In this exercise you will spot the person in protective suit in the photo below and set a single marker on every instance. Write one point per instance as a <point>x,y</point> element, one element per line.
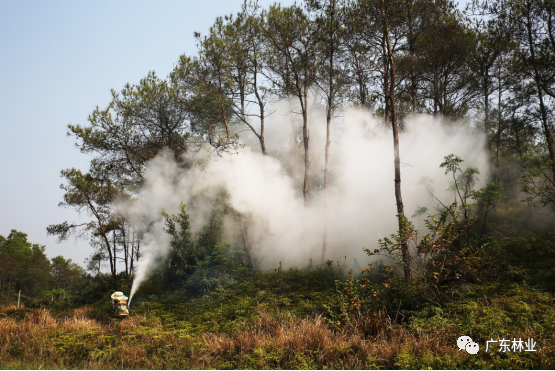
<point>119,304</point>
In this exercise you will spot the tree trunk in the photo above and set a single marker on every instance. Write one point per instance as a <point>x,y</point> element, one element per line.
<point>326,175</point>
<point>498,136</point>
<point>331,93</point>
<point>246,244</point>
<point>305,143</point>
<point>132,252</point>
<point>262,113</point>
<point>242,222</point>
<point>261,137</point>
<point>222,107</point>
<point>386,89</point>
<point>411,54</point>
<point>125,248</point>
<point>397,161</point>
<point>107,241</point>
<point>486,109</point>
<point>115,257</point>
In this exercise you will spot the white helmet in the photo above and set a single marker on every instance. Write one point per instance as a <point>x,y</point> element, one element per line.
<point>116,294</point>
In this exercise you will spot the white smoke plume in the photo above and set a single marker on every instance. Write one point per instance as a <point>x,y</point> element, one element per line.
<point>267,189</point>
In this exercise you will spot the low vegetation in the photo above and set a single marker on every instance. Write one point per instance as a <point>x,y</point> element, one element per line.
<point>300,319</point>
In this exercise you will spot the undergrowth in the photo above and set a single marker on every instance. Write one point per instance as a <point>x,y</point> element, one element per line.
<point>316,318</point>
<point>288,319</point>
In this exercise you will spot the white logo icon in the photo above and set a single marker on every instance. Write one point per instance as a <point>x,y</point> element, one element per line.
<point>466,343</point>
<point>472,348</point>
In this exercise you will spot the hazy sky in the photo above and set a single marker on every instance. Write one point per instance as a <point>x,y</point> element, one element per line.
<point>58,60</point>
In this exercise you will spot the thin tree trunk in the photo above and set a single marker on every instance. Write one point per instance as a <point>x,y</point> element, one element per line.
<point>326,176</point>
<point>125,248</point>
<point>103,233</point>
<point>306,145</point>
<point>222,107</point>
<point>293,139</point>
<point>498,136</point>
<point>486,109</point>
<point>497,158</point>
<point>397,161</point>
<point>262,113</point>
<point>112,266</point>
<point>386,80</point>
<point>246,244</point>
<point>436,89</point>
<point>132,253</point>
<point>115,254</point>
<point>412,63</point>
<point>261,137</point>
<point>331,93</point>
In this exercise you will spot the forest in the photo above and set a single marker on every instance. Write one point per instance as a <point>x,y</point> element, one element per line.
<point>335,184</point>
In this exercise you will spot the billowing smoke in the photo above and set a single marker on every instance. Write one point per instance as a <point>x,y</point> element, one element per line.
<point>266,190</point>
<point>144,212</point>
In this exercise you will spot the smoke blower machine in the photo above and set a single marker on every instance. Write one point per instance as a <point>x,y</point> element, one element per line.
<point>119,305</point>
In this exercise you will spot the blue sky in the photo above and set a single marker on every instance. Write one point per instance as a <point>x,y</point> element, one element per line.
<point>58,60</point>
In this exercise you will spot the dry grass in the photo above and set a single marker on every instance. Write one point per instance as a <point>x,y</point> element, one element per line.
<point>74,340</point>
<point>279,340</point>
<point>273,341</point>
<point>289,341</point>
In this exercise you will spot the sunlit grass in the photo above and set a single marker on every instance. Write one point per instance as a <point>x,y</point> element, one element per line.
<point>280,329</point>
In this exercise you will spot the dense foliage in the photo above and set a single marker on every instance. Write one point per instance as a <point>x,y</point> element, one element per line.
<point>200,264</point>
<point>27,274</point>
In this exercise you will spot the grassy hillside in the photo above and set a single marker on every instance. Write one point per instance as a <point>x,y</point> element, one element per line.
<point>312,319</point>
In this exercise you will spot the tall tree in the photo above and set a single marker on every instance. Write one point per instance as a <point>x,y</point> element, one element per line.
<point>290,35</point>
<point>530,24</point>
<point>247,52</point>
<point>405,255</point>
<point>537,46</point>
<point>138,122</point>
<point>93,195</point>
<point>332,76</point>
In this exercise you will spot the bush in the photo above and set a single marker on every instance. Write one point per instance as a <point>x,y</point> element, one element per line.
<point>201,264</point>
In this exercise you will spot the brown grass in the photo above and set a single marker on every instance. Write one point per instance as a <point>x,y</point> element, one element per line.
<point>288,340</point>
<point>274,341</point>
